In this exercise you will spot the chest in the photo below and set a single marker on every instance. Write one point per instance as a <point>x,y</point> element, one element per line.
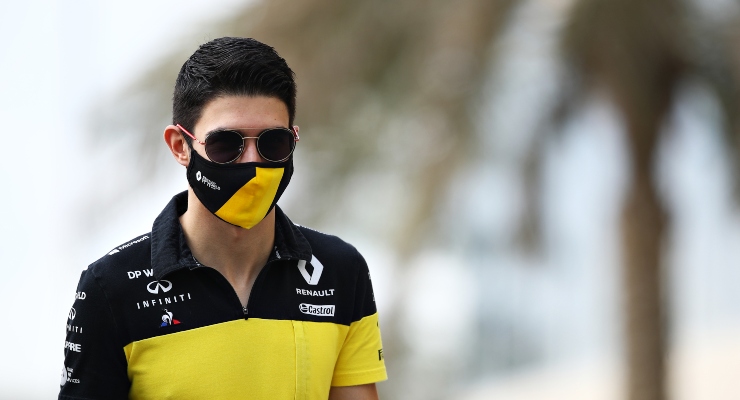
<point>191,336</point>
<point>190,299</point>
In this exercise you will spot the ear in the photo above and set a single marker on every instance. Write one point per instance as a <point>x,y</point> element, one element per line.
<point>177,145</point>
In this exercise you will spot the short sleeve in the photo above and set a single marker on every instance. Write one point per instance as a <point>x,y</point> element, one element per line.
<point>361,358</point>
<point>95,364</point>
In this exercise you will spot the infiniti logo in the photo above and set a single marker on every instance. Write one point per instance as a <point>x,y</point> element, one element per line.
<point>197,176</point>
<point>72,313</point>
<point>153,287</point>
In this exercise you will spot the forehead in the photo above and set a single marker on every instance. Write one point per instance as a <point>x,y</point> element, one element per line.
<point>242,112</point>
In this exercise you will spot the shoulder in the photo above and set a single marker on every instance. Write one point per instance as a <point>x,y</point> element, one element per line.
<point>339,269</point>
<point>331,250</point>
<point>104,287</point>
<point>127,261</point>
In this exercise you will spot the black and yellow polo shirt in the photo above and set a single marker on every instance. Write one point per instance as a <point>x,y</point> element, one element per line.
<point>150,322</point>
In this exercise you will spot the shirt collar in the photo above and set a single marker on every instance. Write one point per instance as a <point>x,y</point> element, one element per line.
<point>170,252</point>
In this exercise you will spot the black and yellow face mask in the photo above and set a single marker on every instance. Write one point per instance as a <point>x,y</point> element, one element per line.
<point>240,194</point>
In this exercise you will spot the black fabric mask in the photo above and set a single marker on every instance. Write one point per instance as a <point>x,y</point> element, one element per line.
<point>240,194</point>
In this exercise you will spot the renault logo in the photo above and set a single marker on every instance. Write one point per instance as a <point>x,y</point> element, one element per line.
<point>313,278</point>
<point>153,287</point>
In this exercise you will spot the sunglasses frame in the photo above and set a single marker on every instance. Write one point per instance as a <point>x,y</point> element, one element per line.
<point>293,132</point>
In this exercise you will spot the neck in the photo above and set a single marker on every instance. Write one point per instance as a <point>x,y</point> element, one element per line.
<point>237,253</point>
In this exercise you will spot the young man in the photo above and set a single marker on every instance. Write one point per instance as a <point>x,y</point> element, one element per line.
<point>226,297</point>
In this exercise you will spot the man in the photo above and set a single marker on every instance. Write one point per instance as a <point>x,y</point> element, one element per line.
<point>226,297</point>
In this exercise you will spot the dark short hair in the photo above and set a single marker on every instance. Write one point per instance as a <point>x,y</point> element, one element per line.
<point>230,66</point>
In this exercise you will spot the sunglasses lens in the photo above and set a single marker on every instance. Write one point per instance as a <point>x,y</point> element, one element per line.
<point>276,144</point>
<point>224,146</point>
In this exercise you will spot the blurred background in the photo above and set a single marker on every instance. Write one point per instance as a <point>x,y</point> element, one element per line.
<point>546,190</point>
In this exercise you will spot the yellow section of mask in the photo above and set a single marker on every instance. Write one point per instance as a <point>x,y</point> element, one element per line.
<point>249,205</point>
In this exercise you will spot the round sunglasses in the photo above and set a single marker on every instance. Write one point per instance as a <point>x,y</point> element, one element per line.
<point>227,145</point>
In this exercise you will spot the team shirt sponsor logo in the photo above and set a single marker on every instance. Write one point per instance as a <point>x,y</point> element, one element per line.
<point>380,354</point>
<point>135,274</point>
<point>178,298</point>
<point>318,268</point>
<point>202,178</point>
<point>73,313</point>
<point>73,346</point>
<point>67,376</point>
<point>321,293</point>
<point>127,245</point>
<point>318,310</point>
<point>168,320</point>
<point>161,287</point>
<point>154,287</point>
